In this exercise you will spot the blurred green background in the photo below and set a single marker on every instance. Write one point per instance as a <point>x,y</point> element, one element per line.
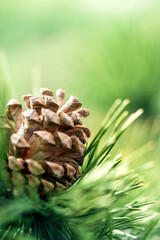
<point>95,50</point>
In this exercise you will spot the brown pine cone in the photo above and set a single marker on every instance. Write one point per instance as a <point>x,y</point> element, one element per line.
<point>49,141</point>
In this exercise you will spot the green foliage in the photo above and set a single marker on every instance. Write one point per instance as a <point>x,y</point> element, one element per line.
<point>104,203</point>
<point>98,51</point>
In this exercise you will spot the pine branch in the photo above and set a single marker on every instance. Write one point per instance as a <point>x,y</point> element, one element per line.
<point>104,203</point>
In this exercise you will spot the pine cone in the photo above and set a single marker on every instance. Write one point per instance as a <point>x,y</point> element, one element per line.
<point>48,143</point>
